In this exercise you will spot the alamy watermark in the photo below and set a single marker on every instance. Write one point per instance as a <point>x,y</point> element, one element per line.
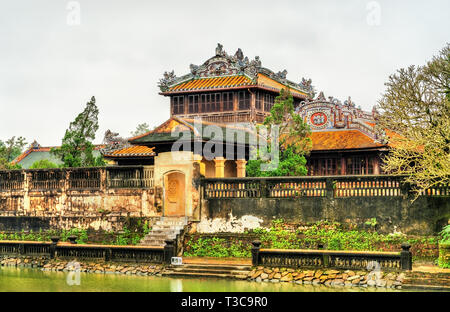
<point>373,17</point>
<point>229,141</point>
<point>74,15</point>
<point>74,276</point>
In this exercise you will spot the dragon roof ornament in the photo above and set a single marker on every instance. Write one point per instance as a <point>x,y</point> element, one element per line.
<point>223,64</point>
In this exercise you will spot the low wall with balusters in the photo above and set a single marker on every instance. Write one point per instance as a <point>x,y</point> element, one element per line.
<point>345,199</point>
<point>97,198</point>
<point>354,260</point>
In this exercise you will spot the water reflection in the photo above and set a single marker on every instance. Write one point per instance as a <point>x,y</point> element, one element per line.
<point>35,280</point>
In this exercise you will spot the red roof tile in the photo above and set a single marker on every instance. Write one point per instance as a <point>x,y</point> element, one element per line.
<point>345,139</point>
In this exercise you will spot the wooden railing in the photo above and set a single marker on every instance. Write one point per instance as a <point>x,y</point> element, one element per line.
<point>356,260</point>
<point>146,254</point>
<point>332,186</point>
<point>93,178</point>
<point>45,180</point>
<point>129,177</point>
<point>12,180</point>
<point>85,178</point>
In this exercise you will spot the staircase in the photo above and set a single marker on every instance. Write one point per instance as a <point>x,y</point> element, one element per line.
<point>165,228</point>
<point>208,270</point>
<point>427,280</point>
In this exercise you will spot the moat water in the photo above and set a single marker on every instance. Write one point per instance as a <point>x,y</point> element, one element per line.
<point>34,280</point>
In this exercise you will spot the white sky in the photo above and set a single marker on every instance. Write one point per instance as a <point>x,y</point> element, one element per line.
<point>118,53</point>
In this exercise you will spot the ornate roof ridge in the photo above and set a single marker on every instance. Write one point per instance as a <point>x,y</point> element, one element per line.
<point>223,64</point>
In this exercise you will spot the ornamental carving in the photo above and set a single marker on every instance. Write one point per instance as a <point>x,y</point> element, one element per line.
<point>168,78</point>
<point>113,142</point>
<point>223,64</point>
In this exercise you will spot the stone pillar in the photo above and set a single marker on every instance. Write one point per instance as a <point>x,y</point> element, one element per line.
<point>406,257</point>
<point>240,165</point>
<point>220,167</point>
<point>255,252</point>
<point>376,165</point>
<point>198,159</point>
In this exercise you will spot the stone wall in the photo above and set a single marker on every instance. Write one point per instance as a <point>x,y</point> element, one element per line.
<point>251,203</point>
<point>59,199</point>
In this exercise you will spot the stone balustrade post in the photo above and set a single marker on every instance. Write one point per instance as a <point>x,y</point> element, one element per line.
<point>169,251</point>
<point>406,257</point>
<point>55,240</point>
<point>72,239</point>
<point>329,187</point>
<point>255,252</point>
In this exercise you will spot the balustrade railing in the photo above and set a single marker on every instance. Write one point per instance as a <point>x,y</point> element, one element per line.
<point>355,260</point>
<point>129,176</point>
<point>12,180</point>
<point>96,178</point>
<point>332,186</point>
<point>145,254</point>
<point>46,179</point>
<point>85,178</point>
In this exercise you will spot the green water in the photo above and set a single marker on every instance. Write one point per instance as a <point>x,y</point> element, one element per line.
<point>35,280</point>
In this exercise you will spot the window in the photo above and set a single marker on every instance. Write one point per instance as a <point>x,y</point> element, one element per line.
<point>193,104</point>
<point>323,166</point>
<point>268,102</point>
<point>356,165</point>
<point>227,98</point>
<point>244,100</point>
<point>259,100</point>
<point>206,103</point>
<point>177,105</point>
<point>215,102</point>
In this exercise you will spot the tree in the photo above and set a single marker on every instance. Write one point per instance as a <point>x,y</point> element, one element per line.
<point>415,113</point>
<point>9,150</point>
<point>141,129</point>
<point>12,148</point>
<point>294,141</point>
<point>43,164</point>
<point>77,149</point>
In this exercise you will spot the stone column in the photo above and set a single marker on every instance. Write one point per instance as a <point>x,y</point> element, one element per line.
<point>376,165</point>
<point>198,159</point>
<point>220,167</point>
<point>240,165</point>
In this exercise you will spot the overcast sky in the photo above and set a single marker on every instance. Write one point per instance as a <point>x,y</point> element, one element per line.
<point>50,66</point>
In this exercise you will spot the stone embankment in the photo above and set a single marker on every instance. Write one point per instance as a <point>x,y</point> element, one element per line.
<point>46,264</point>
<point>328,277</point>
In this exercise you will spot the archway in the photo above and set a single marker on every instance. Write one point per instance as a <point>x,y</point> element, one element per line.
<point>175,198</point>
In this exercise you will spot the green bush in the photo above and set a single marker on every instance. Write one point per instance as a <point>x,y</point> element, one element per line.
<point>216,247</point>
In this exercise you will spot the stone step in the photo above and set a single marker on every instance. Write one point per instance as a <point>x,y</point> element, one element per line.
<point>166,229</point>
<point>209,275</point>
<point>435,281</point>
<point>426,287</point>
<point>208,270</point>
<point>162,235</point>
<point>153,242</point>
<point>215,266</point>
<point>160,224</point>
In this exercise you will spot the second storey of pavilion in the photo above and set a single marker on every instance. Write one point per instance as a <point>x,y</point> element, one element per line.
<point>229,89</point>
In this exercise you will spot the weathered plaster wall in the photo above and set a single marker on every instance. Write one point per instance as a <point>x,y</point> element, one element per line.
<point>183,162</point>
<point>426,215</point>
<point>88,209</point>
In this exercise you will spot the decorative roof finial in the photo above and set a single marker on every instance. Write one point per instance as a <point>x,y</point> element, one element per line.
<point>219,49</point>
<point>239,54</point>
<point>321,97</point>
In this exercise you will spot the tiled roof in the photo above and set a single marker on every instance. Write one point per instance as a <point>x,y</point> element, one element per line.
<point>342,139</point>
<point>133,151</point>
<point>213,83</point>
<point>163,133</point>
<point>33,154</point>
